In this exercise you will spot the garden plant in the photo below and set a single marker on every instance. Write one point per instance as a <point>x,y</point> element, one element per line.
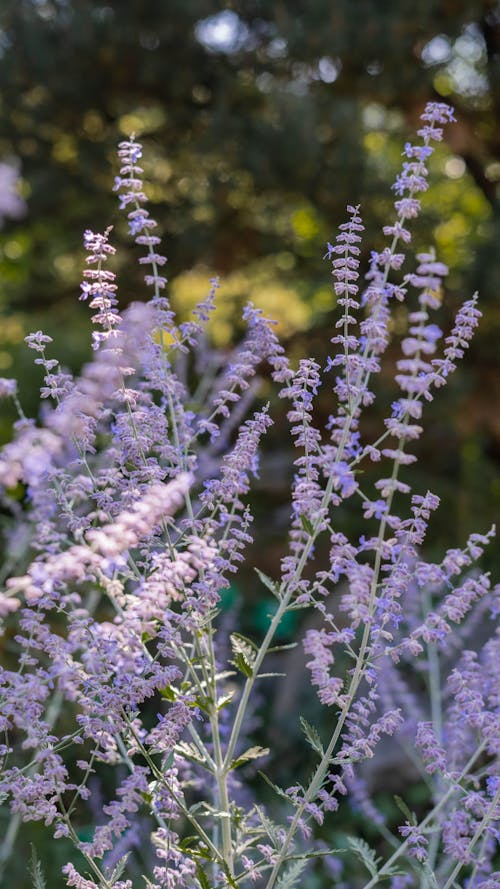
<point>127,692</point>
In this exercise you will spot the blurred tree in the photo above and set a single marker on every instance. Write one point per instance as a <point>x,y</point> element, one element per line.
<point>262,120</point>
<point>257,112</point>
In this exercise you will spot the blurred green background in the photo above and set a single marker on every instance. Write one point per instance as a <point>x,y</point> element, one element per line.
<point>261,120</point>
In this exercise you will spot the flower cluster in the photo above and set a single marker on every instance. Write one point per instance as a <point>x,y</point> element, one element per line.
<point>131,507</point>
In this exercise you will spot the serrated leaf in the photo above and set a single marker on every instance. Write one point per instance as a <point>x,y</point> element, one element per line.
<point>307,525</point>
<point>244,654</point>
<point>268,582</point>
<point>230,879</point>
<point>270,675</point>
<point>322,852</point>
<point>290,877</point>
<point>196,807</point>
<point>248,755</point>
<point>119,869</point>
<point>225,674</point>
<point>278,790</point>
<point>202,877</point>
<point>36,871</point>
<point>203,703</point>
<point>282,647</point>
<point>191,845</point>
<point>312,736</point>
<point>187,843</point>
<point>190,751</point>
<point>245,641</point>
<point>224,700</point>
<point>168,761</point>
<point>404,809</point>
<point>365,853</point>
<point>242,664</point>
<point>269,827</point>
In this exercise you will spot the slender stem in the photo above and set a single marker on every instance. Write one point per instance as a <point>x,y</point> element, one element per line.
<point>479,860</point>
<point>477,835</point>
<point>357,677</point>
<point>432,814</point>
<point>160,777</point>
<point>221,778</point>
<point>74,836</point>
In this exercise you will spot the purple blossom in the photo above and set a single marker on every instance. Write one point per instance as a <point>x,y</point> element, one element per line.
<point>73,878</point>
<point>8,388</point>
<point>417,842</point>
<point>99,287</point>
<point>433,754</point>
<point>317,644</point>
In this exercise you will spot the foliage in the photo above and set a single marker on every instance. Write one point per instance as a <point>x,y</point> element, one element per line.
<point>262,121</point>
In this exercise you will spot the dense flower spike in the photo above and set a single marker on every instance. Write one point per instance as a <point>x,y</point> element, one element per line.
<point>132,703</point>
<point>130,188</point>
<point>99,287</point>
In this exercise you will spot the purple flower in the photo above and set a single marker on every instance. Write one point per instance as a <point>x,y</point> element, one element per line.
<point>433,753</point>
<point>417,842</point>
<point>8,388</point>
<point>99,287</point>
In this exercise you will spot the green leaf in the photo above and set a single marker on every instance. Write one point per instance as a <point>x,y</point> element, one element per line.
<point>244,651</point>
<point>119,869</point>
<point>268,826</point>
<point>203,703</point>
<point>268,582</point>
<point>190,751</point>
<point>312,736</point>
<point>191,845</point>
<point>36,871</point>
<point>290,877</point>
<point>404,809</point>
<point>321,853</point>
<point>168,693</point>
<point>365,853</point>
<point>230,880</point>
<point>187,844</point>
<point>282,647</point>
<point>307,525</point>
<point>248,755</point>
<point>244,640</point>
<point>243,665</point>
<point>202,877</point>
<point>224,674</point>
<point>278,790</point>
<point>224,700</point>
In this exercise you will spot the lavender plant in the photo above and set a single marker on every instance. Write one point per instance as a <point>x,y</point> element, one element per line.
<point>132,491</point>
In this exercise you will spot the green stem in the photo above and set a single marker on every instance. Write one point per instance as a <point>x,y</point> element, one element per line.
<point>432,814</point>
<point>477,835</point>
<point>160,777</point>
